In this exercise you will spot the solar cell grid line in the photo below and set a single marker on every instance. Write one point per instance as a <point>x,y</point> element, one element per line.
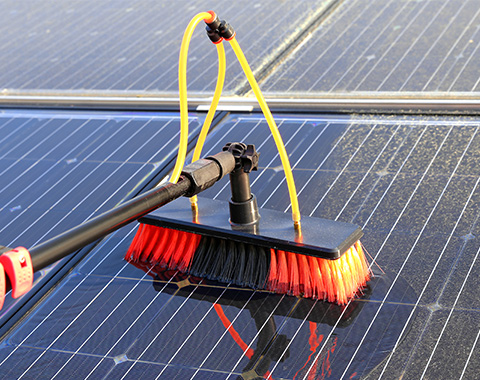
<point>37,22</point>
<point>164,326</point>
<point>128,329</point>
<point>18,147</point>
<point>70,190</point>
<point>450,314</point>
<point>432,45</point>
<point>171,71</point>
<point>105,319</point>
<point>367,173</point>
<point>29,64</point>
<point>11,133</point>
<point>98,185</point>
<point>67,297</point>
<point>251,342</point>
<point>104,71</point>
<point>400,35</point>
<point>378,16</point>
<point>449,53</point>
<point>416,40</point>
<point>224,334</point>
<point>324,32</point>
<point>13,148</point>
<point>297,162</point>
<point>259,147</point>
<point>434,268</point>
<point>457,77</point>
<point>394,177</point>
<point>339,37</point>
<point>42,78</point>
<point>323,161</point>
<point>461,54</point>
<point>372,43</point>
<point>376,256</point>
<point>470,355</point>
<point>70,324</point>
<point>390,161</point>
<point>128,23</point>
<point>44,173</point>
<point>293,338</point>
<point>417,238</point>
<point>280,18</point>
<point>343,169</point>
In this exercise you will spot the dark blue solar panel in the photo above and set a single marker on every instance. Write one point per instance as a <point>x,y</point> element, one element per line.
<point>393,46</point>
<point>78,46</point>
<point>412,184</point>
<point>60,169</point>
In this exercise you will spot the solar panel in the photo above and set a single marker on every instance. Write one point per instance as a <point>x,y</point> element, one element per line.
<point>386,46</point>
<point>412,183</point>
<point>117,46</point>
<point>60,169</point>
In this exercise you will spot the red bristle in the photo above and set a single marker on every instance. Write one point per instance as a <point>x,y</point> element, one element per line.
<point>146,237</point>
<point>293,276</point>
<point>179,250</point>
<point>190,249</point>
<point>305,276</point>
<point>272,274</point>
<point>170,248</point>
<point>282,273</point>
<point>164,234</point>
<point>133,246</point>
<point>328,287</point>
<point>150,241</point>
<point>317,281</point>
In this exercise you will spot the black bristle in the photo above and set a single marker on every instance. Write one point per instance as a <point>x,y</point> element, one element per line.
<point>228,272</point>
<point>263,265</point>
<point>220,254</point>
<point>251,267</point>
<point>241,264</point>
<point>229,261</point>
<point>201,258</point>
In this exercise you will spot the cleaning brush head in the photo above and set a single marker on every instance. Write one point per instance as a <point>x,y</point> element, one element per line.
<point>328,263</point>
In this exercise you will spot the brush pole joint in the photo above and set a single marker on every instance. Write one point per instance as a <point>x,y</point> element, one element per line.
<point>243,204</point>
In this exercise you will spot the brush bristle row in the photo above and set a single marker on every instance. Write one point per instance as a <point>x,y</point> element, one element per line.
<point>252,266</point>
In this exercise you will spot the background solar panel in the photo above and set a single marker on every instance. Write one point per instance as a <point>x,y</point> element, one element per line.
<point>117,46</point>
<point>60,169</point>
<point>413,186</point>
<point>385,45</point>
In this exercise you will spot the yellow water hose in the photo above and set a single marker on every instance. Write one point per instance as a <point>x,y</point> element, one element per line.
<point>182,84</point>
<point>273,128</point>
<point>213,107</point>
<point>182,88</point>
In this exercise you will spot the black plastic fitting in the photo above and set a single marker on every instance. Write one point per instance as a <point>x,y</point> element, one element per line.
<point>205,172</point>
<point>215,24</point>
<point>213,35</point>
<point>243,204</point>
<point>226,30</point>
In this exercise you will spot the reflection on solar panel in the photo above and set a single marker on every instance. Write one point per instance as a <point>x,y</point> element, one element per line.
<point>60,169</point>
<point>413,186</point>
<point>77,46</point>
<point>387,45</point>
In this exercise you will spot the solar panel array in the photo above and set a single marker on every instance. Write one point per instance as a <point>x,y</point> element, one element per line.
<point>412,184</point>
<point>350,46</point>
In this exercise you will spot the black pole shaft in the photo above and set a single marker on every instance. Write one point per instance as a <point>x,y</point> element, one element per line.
<point>78,237</point>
